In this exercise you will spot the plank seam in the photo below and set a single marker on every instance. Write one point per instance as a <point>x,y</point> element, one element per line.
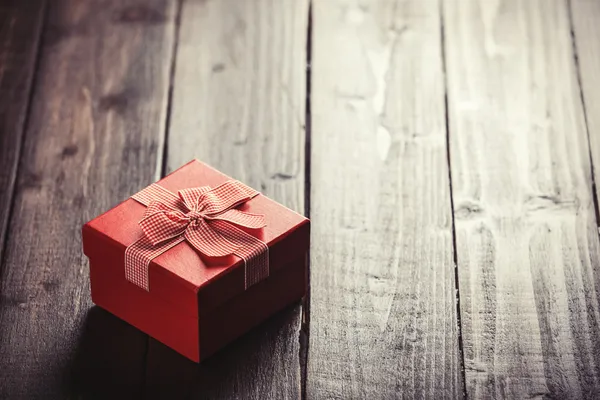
<point>304,335</point>
<point>584,108</point>
<point>20,143</point>
<point>162,162</point>
<point>164,155</point>
<point>454,246</point>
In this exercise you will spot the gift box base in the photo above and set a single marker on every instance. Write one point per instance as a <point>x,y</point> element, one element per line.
<point>201,336</point>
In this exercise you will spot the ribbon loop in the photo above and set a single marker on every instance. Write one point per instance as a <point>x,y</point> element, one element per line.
<point>161,223</point>
<point>224,197</point>
<point>206,219</point>
<point>190,196</point>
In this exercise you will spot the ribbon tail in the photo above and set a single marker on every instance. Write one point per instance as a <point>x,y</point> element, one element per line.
<point>241,218</point>
<point>253,251</point>
<point>224,197</point>
<point>138,257</point>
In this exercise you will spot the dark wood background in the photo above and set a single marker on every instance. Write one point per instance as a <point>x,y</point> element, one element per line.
<point>445,151</point>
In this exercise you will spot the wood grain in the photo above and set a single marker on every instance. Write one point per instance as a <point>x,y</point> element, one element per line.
<point>585,16</point>
<point>238,104</point>
<point>20,26</point>
<point>96,125</point>
<point>527,244</point>
<point>383,313</point>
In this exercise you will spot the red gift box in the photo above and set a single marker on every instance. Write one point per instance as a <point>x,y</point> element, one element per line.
<point>196,304</point>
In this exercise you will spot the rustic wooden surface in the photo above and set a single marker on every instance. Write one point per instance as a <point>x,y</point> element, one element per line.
<point>445,150</point>
<point>20,27</point>
<point>94,131</point>
<point>585,15</point>
<point>238,104</point>
<point>527,243</point>
<point>383,312</point>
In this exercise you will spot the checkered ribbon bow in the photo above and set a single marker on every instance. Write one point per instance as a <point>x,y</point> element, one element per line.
<point>206,219</point>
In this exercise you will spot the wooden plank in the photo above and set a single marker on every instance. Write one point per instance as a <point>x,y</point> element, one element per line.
<point>96,126</point>
<point>527,245</point>
<point>585,16</point>
<point>238,104</point>
<point>20,25</point>
<point>383,313</point>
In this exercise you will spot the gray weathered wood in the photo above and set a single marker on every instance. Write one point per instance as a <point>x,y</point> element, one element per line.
<point>586,27</point>
<point>20,25</point>
<point>96,125</point>
<point>383,313</point>
<point>238,104</point>
<point>527,244</point>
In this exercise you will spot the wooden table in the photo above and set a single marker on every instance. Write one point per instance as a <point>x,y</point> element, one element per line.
<point>444,150</point>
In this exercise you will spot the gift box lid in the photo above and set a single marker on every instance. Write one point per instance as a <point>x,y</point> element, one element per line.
<point>181,275</point>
